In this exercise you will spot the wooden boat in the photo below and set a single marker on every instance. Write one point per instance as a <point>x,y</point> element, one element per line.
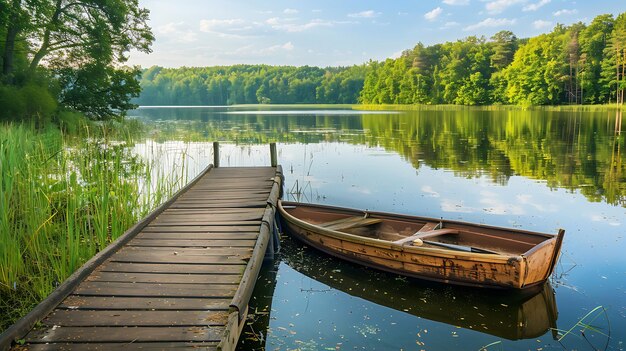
<point>509,314</point>
<point>427,248</point>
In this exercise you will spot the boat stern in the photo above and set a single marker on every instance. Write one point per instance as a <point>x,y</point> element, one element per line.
<point>539,262</point>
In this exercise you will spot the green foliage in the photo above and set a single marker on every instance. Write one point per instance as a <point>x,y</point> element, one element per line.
<point>100,92</point>
<point>250,84</point>
<point>572,64</point>
<point>31,103</point>
<point>81,44</point>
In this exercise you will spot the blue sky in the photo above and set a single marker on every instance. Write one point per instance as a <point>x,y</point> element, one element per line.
<point>339,32</point>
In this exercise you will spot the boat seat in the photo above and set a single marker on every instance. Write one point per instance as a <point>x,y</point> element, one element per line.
<point>430,226</point>
<point>349,223</point>
<point>424,235</point>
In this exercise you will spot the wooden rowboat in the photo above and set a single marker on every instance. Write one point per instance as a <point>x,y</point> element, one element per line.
<point>509,314</point>
<point>427,248</point>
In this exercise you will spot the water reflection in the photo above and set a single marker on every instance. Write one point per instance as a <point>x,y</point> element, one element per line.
<point>509,315</point>
<point>572,150</point>
<point>512,315</point>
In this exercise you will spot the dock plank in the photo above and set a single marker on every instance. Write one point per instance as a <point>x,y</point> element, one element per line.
<point>155,289</point>
<point>165,278</point>
<point>130,267</point>
<point>76,302</point>
<point>191,243</point>
<point>79,318</point>
<point>130,346</point>
<point>124,334</point>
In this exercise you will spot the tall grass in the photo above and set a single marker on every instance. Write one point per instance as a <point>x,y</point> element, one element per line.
<point>62,199</point>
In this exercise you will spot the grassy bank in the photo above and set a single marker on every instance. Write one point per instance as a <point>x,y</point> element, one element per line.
<point>62,199</point>
<point>417,107</point>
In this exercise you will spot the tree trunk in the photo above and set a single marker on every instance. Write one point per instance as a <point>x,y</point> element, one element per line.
<point>623,71</point>
<point>43,49</point>
<point>13,29</point>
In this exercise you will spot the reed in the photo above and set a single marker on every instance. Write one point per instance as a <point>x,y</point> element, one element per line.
<point>64,198</point>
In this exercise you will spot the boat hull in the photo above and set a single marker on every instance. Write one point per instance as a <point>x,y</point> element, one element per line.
<point>436,264</point>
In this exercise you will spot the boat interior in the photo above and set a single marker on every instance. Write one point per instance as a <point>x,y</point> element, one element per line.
<point>417,232</point>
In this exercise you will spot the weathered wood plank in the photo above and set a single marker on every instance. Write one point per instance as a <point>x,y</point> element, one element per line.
<point>214,196</point>
<point>155,290</point>
<point>197,236</point>
<point>75,302</point>
<point>79,318</point>
<point>207,229</point>
<point>217,204</point>
<point>183,224</point>
<point>191,243</point>
<point>173,258</point>
<point>165,278</point>
<point>194,218</point>
<point>124,334</point>
<point>130,346</point>
<point>216,211</point>
<point>187,251</point>
<point>172,268</point>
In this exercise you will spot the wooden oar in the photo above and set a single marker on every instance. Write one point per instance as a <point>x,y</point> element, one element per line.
<point>460,247</point>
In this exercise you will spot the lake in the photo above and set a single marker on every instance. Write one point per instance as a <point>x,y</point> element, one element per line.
<point>536,169</point>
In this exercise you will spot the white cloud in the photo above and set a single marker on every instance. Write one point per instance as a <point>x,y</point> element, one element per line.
<point>212,24</point>
<point>290,11</point>
<point>427,188</point>
<point>432,15</point>
<point>456,2</point>
<point>495,206</point>
<point>540,24</point>
<point>173,29</point>
<point>288,25</point>
<point>490,23</point>
<point>450,25</point>
<point>274,21</point>
<point>497,6</point>
<point>565,12</point>
<point>287,46</point>
<point>535,6</point>
<point>448,205</point>
<point>526,199</point>
<point>364,14</point>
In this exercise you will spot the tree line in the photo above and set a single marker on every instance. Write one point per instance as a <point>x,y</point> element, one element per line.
<point>576,64</point>
<point>62,57</point>
<point>251,84</point>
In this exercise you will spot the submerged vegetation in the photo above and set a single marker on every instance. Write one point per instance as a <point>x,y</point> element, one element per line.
<point>576,64</point>
<point>62,199</point>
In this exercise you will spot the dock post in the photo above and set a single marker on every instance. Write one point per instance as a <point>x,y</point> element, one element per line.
<point>273,157</point>
<point>216,154</point>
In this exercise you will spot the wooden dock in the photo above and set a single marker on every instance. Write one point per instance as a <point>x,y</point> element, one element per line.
<point>181,278</point>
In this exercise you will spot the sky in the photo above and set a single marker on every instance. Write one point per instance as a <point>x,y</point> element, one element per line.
<point>339,32</point>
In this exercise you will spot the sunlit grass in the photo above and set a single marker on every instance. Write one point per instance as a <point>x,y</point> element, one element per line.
<point>568,108</point>
<point>62,199</point>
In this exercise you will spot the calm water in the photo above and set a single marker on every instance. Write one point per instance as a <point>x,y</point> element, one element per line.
<point>536,170</point>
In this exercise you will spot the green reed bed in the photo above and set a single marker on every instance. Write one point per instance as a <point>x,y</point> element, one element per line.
<point>62,199</point>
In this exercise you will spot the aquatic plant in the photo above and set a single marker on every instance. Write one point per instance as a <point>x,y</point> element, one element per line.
<point>64,198</point>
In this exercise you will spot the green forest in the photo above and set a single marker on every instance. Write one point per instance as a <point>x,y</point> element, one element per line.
<point>66,59</point>
<point>576,64</point>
